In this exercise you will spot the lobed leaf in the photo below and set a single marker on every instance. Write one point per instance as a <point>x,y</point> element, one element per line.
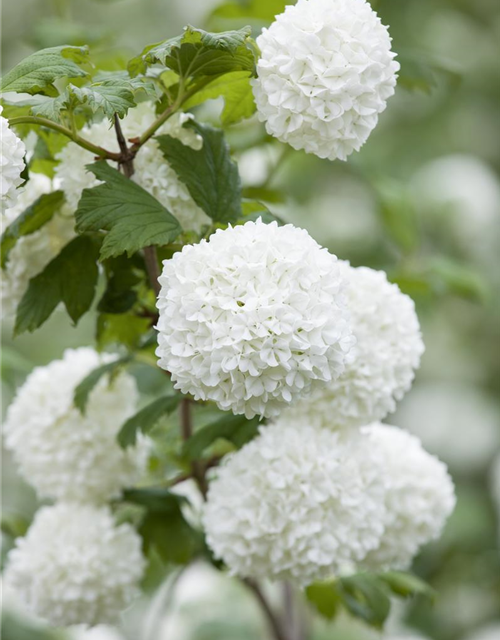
<point>37,72</point>
<point>237,429</point>
<point>133,217</point>
<point>210,175</point>
<point>71,278</point>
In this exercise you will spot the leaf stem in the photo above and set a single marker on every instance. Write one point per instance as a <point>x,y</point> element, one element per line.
<point>45,122</point>
<point>272,618</point>
<point>197,469</point>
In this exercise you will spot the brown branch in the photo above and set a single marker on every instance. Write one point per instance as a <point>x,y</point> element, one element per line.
<point>126,156</point>
<point>272,618</point>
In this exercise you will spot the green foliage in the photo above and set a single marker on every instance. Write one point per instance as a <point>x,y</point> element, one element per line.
<point>210,175</point>
<point>30,220</point>
<point>37,72</point>
<point>196,54</point>
<point>164,527</point>
<point>133,218</point>
<point>84,389</point>
<point>257,12</point>
<point>365,595</point>
<point>236,90</point>
<point>253,210</point>
<point>419,72</point>
<point>236,429</point>
<point>71,278</point>
<point>99,96</point>
<point>398,215</point>
<point>121,329</point>
<point>146,419</point>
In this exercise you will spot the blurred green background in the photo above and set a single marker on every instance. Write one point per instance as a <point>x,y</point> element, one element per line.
<point>422,201</point>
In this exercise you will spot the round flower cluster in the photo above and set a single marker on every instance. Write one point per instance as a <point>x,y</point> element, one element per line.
<point>387,352</point>
<point>297,504</point>
<point>63,453</point>
<point>12,152</point>
<point>75,565</point>
<point>419,497</point>
<point>253,318</point>
<point>31,253</point>
<point>152,171</point>
<point>325,73</point>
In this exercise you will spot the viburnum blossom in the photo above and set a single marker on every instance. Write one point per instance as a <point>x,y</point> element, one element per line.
<point>325,73</point>
<point>31,253</point>
<point>387,352</point>
<point>63,453</point>
<point>12,152</point>
<point>253,318</point>
<point>299,504</point>
<point>151,169</point>
<point>419,496</point>
<point>75,565</point>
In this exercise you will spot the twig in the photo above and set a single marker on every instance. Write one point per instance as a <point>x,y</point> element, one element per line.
<point>272,618</point>
<point>127,157</point>
<point>197,469</point>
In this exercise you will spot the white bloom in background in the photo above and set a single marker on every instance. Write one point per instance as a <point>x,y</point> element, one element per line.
<point>419,496</point>
<point>253,318</point>
<point>76,566</point>
<point>66,455</point>
<point>101,632</point>
<point>31,253</point>
<point>299,504</point>
<point>387,352</point>
<point>457,422</point>
<point>152,171</point>
<point>12,151</point>
<point>325,73</point>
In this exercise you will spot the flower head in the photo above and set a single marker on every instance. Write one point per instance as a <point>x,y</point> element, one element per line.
<point>151,170</point>
<point>75,565</point>
<point>31,253</point>
<point>253,318</point>
<point>324,76</point>
<point>387,352</point>
<point>296,503</point>
<point>12,154</point>
<point>419,496</point>
<point>63,453</point>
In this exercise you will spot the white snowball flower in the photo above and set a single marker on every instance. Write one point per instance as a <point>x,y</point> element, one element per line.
<point>324,76</point>
<point>31,253</point>
<point>299,504</point>
<point>66,455</point>
<point>12,151</point>
<point>419,496</point>
<point>455,421</point>
<point>152,171</point>
<point>387,352</point>
<point>76,566</point>
<point>253,318</point>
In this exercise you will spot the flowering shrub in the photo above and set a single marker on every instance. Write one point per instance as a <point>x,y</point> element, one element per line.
<point>250,318</point>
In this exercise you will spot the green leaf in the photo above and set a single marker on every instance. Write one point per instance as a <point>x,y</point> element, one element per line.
<point>324,597</point>
<point>235,12</point>
<point>237,429</point>
<point>37,72</point>
<point>164,526</point>
<point>132,216</point>
<point>120,329</point>
<point>459,279</point>
<point>253,210</point>
<point>398,215</point>
<point>108,98</point>
<point>197,53</point>
<point>84,389</point>
<point>364,596</point>
<point>71,278</point>
<point>123,276</point>
<point>30,220</point>
<point>146,419</point>
<point>407,584</point>
<point>236,90</point>
<point>210,175</point>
